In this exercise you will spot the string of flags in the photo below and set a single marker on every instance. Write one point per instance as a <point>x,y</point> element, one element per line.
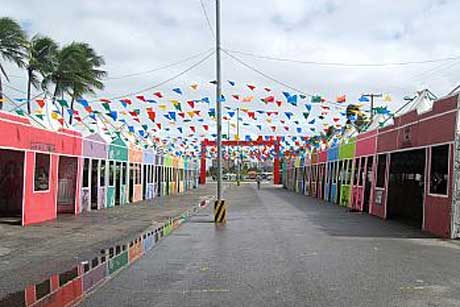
<point>180,111</point>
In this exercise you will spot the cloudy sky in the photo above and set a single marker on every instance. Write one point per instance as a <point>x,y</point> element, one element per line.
<point>136,36</point>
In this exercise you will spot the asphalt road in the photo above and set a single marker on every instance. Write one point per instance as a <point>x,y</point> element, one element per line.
<point>284,249</point>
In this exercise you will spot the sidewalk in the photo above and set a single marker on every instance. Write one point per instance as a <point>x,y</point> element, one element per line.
<point>31,254</point>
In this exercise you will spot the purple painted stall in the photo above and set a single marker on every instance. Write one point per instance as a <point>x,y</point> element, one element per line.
<point>95,151</point>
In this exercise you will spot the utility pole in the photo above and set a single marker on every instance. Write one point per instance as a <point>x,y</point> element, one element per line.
<point>372,96</point>
<point>218,104</point>
<point>239,149</point>
<point>220,211</point>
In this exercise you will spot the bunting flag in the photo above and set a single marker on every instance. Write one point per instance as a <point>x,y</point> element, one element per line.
<point>236,97</point>
<point>341,99</point>
<point>177,90</point>
<point>141,98</point>
<point>363,99</point>
<point>194,86</point>
<point>232,83</point>
<point>251,87</point>
<point>40,103</point>
<point>191,103</point>
<point>158,94</point>
<point>63,103</point>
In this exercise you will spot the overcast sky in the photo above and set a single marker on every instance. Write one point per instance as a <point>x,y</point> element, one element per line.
<point>135,36</point>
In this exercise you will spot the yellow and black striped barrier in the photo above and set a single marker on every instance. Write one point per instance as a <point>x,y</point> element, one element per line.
<point>220,211</point>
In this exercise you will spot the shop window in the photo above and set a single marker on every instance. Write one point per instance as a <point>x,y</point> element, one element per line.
<point>86,173</point>
<point>102,174</point>
<point>356,172</point>
<point>138,176</point>
<point>42,172</point>
<point>381,167</point>
<point>124,173</point>
<point>439,172</point>
<point>111,173</point>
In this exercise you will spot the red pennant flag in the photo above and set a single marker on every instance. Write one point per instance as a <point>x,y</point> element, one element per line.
<point>269,99</point>
<point>282,121</point>
<point>181,114</point>
<point>140,97</point>
<point>267,89</point>
<point>191,103</point>
<point>336,119</point>
<point>158,94</point>
<point>252,115</point>
<point>40,102</point>
<point>205,127</point>
<point>159,126</point>
<point>192,128</point>
<point>197,112</point>
<point>237,97</point>
<point>286,128</point>
<point>127,101</point>
<point>279,103</point>
<point>105,100</point>
<point>273,128</point>
<point>251,87</point>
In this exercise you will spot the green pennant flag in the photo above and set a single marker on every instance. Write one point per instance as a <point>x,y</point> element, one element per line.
<point>41,116</point>
<point>138,111</point>
<point>20,112</point>
<point>178,107</point>
<point>316,99</point>
<point>145,127</point>
<point>306,114</point>
<point>63,103</point>
<point>106,106</point>
<point>91,130</point>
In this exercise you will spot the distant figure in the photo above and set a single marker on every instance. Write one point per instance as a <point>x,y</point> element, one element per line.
<point>258,182</point>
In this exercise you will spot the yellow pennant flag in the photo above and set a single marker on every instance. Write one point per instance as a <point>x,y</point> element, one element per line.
<point>387,98</point>
<point>194,86</point>
<point>55,115</point>
<point>162,107</point>
<point>191,113</point>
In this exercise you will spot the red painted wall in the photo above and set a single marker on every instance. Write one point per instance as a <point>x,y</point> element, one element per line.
<point>438,209</point>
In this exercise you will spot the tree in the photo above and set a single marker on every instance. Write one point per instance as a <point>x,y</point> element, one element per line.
<point>76,72</point>
<point>41,53</point>
<point>89,75</point>
<point>12,44</point>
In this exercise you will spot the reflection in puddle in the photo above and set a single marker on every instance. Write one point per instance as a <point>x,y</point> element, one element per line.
<point>70,286</point>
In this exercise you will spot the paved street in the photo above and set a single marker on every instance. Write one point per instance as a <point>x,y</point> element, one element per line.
<point>283,249</point>
<point>41,250</point>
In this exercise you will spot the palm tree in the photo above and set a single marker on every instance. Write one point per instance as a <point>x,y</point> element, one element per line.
<point>76,73</point>
<point>89,75</point>
<point>12,43</point>
<point>41,55</point>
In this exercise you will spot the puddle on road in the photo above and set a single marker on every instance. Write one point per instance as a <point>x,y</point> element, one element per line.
<point>69,287</point>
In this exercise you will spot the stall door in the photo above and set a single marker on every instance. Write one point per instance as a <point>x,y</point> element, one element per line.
<point>67,182</point>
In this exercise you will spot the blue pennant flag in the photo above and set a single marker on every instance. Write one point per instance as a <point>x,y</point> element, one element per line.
<point>177,90</point>
<point>363,99</point>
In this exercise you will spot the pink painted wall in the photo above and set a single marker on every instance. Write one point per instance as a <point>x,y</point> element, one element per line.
<point>366,143</point>
<point>17,133</point>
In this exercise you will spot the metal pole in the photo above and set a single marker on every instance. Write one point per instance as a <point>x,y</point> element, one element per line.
<point>239,151</point>
<point>218,104</point>
<point>372,108</point>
